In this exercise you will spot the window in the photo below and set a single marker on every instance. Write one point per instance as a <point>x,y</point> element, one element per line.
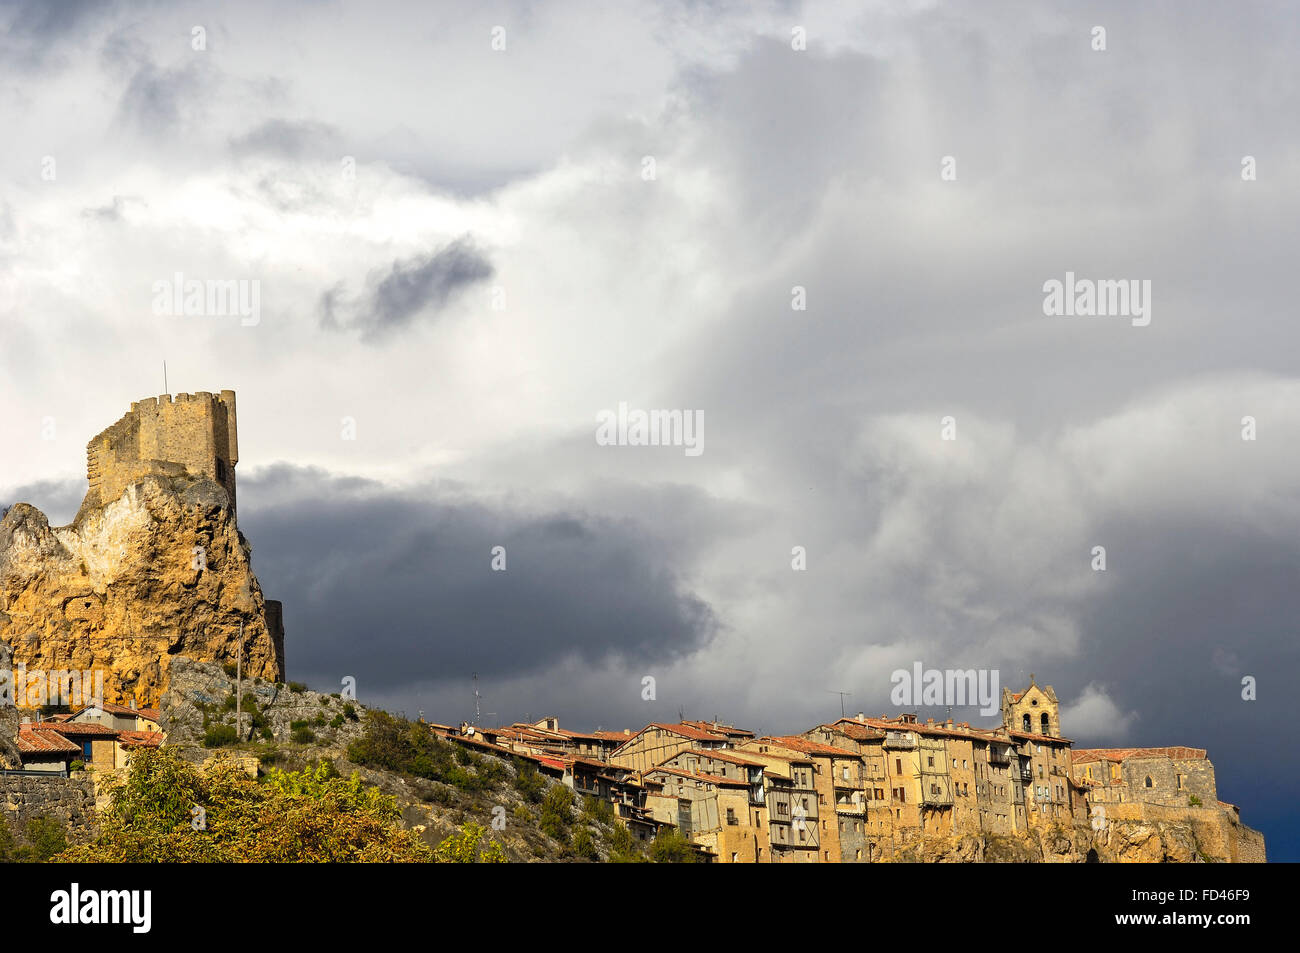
<point>898,765</point>
<point>931,760</point>
<point>1148,780</point>
<point>1180,782</point>
<point>1026,722</point>
<point>1046,724</point>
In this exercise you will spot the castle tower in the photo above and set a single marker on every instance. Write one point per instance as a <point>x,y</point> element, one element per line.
<point>1035,710</point>
<point>190,433</point>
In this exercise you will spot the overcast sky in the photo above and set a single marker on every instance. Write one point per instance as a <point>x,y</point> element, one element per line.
<point>463,259</point>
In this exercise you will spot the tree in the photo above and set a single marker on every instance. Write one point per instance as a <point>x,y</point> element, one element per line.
<point>468,847</point>
<point>166,811</point>
<point>670,846</point>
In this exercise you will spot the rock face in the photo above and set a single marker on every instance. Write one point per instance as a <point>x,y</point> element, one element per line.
<point>1123,841</point>
<point>160,571</point>
<point>197,696</point>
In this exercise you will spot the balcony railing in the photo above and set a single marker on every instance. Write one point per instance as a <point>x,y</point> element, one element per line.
<point>900,741</point>
<point>999,756</point>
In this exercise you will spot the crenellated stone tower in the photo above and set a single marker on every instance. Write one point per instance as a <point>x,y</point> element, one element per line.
<point>195,432</point>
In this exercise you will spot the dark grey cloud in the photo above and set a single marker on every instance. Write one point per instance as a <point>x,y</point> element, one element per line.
<point>396,588</point>
<point>410,288</point>
<point>289,139</point>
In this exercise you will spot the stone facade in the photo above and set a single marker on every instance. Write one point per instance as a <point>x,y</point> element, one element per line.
<point>196,432</point>
<point>70,800</point>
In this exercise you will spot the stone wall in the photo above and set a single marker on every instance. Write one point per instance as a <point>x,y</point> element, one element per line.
<point>69,800</point>
<point>195,431</point>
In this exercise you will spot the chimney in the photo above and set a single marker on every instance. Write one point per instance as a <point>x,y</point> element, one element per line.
<point>861,717</point>
<point>133,703</point>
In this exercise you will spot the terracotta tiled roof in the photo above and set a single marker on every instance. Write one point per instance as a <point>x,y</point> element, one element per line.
<point>35,740</point>
<point>808,746</point>
<point>720,756</point>
<point>856,730</point>
<point>141,739</point>
<point>1084,755</point>
<point>78,729</point>
<point>710,778</point>
<point>689,731</point>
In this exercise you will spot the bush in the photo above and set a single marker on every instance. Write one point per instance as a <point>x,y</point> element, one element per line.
<point>557,810</point>
<point>349,711</point>
<point>583,845</point>
<point>295,725</point>
<point>297,687</point>
<point>470,845</point>
<point>670,846</point>
<point>267,734</point>
<point>319,721</point>
<point>230,669</point>
<point>411,748</point>
<point>77,766</point>
<point>623,847</point>
<point>303,736</point>
<point>529,781</point>
<point>219,736</point>
<point>337,722</point>
<point>522,815</point>
<point>304,816</point>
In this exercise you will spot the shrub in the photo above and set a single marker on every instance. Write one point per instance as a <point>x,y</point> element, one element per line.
<point>522,815</point>
<point>470,845</point>
<point>529,781</point>
<point>319,721</point>
<point>583,845</point>
<point>220,735</point>
<point>670,846</point>
<point>303,736</point>
<point>337,721</point>
<point>295,725</point>
<point>557,809</point>
<point>305,816</point>
<point>349,711</point>
<point>77,766</point>
<point>297,687</point>
<point>623,847</point>
<point>230,669</point>
<point>267,734</point>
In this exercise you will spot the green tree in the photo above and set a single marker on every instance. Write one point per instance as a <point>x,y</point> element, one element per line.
<point>292,816</point>
<point>470,845</point>
<point>670,846</point>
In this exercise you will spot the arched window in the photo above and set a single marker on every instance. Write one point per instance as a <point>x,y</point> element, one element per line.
<point>1028,726</point>
<point>1046,724</point>
<point>1148,780</point>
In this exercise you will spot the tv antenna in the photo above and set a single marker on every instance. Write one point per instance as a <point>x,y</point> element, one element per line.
<point>843,695</point>
<point>166,390</point>
<point>478,712</point>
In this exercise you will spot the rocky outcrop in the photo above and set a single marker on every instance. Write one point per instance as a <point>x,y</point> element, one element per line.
<point>1119,841</point>
<point>162,571</point>
<point>200,695</point>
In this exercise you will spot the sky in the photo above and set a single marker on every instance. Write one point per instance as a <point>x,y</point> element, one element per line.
<point>823,232</point>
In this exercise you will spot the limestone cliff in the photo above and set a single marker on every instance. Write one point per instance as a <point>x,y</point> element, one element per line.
<point>1120,841</point>
<point>160,571</point>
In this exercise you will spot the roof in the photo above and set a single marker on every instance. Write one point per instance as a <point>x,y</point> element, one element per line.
<point>1085,755</point>
<point>808,746</point>
<point>718,756</point>
<point>141,739</point>
<point>78,729</point>
<point>855,730</point>
<point>693,732</point>
<point>720,729</point>
<point>710,778</point>
<point>33,740</point>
